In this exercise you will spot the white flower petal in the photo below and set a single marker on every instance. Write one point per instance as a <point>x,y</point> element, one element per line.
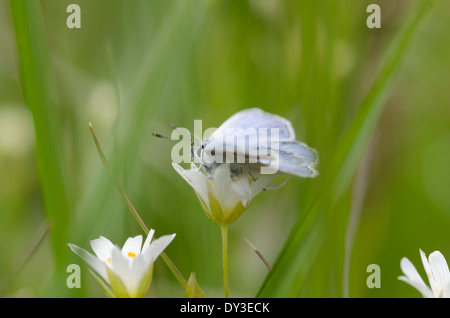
<point>223,191</point>
<point>148,240</point>
<point>446,292</point>
<point>138,268</point>
<point>157,246</point>
<point>433,283</point>
<point>421,287</point>
<point>410,271</point>
<point>122,268</point>
<point>102,247</point>
<point>94,262</point>
<point>413,278</point>
<point>132,246</point>
<point>196,179</point>
<point>242,188</point>
<point>439,270</point>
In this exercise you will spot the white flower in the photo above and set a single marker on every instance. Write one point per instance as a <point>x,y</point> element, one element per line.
<point>223,197</point>
<point>127,272</point>
<point>437,271</point>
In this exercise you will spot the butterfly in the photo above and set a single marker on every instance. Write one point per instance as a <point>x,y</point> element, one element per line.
<point>255,142</point>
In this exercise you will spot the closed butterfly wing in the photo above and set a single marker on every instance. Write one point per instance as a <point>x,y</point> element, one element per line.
<point>255,118</point>
<point>242,135</point>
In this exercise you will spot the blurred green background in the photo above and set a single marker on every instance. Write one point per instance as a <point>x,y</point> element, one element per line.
<point>374,102</point>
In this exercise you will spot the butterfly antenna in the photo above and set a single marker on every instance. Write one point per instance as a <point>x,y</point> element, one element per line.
<point>171,138</point>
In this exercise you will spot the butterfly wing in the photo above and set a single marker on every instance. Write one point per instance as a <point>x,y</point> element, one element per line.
<point>256,118</point>
<point>290,158</point>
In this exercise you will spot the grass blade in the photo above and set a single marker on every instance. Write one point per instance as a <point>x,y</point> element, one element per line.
<point>40,96</point>
<point>35,244</point>
<point>297,257</point>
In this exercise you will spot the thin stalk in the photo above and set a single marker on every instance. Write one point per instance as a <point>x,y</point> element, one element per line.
<point>138,218</point>
<point>263,259</point>
<point>224,230</point>
<point>28,254</point>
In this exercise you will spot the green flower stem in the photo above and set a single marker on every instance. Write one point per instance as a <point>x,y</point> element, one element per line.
<point>163,255</point>
<point>224,230</point>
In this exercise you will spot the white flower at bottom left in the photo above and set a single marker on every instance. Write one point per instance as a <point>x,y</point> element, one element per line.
<point>125,272</point>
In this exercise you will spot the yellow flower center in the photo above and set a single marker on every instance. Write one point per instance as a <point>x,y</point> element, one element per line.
<point>109,260</point>
<point>131,254</point>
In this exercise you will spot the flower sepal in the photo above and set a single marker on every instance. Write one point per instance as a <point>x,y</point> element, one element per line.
<point>103,283</point>
<point>218,215</point>
<point>193,289</point>
<point>119,290</point>
<point>145,283</point>
<point>117,286</point>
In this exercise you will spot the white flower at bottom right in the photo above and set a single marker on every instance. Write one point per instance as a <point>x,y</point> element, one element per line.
<point>437,271</point>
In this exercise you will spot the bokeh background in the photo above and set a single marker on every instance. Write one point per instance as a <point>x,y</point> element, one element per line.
<point>135,67</point>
